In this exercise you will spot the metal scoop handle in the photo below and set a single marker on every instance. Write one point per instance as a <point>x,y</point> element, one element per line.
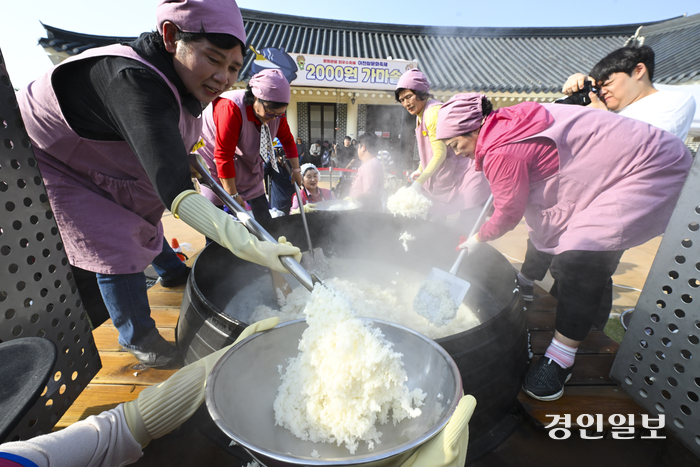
<point>480,220</point>
<point>303,219</point>
<point>294,268</point>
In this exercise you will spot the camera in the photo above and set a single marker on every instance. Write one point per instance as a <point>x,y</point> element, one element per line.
<point>580,97</point>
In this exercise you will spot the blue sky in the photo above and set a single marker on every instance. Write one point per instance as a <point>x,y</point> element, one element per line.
<point>21,28</point>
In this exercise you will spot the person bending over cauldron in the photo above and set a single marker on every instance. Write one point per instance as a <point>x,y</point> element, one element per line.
<point>310,193</point>
<point>112,129</point>
<point>239,128</point>
<point>368,186</point>
<point>590,184</point>
<point>450,182</point>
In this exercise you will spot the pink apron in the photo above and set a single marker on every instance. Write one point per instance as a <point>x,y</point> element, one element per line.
<point>107,211</point>
<point>250,168</point>
<point>368,185</point>
<point>455,185</point>
<point>617,185</point>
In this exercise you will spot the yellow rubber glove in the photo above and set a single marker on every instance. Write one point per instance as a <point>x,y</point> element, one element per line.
<point>199,213</point>
<point>160,409</point>
<point>310,207</point>
<point>449,447</point>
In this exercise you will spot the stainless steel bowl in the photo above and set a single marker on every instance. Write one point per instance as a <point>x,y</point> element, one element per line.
<point>337,205</point>
<point>243,385</point>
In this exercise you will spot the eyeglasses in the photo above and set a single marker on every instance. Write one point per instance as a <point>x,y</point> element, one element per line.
<point>269,115</point>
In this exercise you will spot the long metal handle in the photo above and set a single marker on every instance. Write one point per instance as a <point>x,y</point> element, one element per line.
<point>300,202</point>
<point>477,224</point>
<point>294,268</point>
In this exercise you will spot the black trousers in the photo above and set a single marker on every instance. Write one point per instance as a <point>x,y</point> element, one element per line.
<point>261,210</point>
<point>582,285</point>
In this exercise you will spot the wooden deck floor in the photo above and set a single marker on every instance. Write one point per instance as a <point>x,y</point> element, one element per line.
<point>122,378</point>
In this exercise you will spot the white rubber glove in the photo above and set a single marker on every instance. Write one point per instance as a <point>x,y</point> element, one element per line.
<point>309,207</point>
<point>416,174</point>
<point>160,409</point>
<point>449,447</point>
<point>471,244</point>
<point>207,219</point>
<point>418,187</point>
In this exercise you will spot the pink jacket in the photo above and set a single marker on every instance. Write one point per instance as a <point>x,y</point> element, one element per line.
<point>615,185</point>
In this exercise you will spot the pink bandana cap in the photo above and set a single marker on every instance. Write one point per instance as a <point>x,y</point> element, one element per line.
<point>212,16</point>
<point>460,115</point>
<point>270,85</point>
<point>415,80</point>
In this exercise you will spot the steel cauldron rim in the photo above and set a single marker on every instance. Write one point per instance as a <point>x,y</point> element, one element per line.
<point>359,460</point>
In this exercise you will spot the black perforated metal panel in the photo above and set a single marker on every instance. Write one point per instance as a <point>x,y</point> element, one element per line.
<point>38,296</point>
<point>659,360</point>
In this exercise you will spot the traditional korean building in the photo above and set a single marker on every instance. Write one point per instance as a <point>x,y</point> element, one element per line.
<point>343,73</point>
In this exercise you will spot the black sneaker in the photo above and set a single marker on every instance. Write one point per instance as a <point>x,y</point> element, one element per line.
<point>177,280</point>
<point>160,354</point>
<point>545,380</point>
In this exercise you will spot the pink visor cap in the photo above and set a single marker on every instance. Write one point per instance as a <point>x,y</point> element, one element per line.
<point>415,80</point>
<point>212,16</point>
<point>270,85</point>
<point>460,115</point>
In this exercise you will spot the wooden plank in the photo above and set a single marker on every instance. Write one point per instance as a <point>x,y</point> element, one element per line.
<point>579,400</point>
<point>97,398</point>
<point>165,317</point>
<point>540,320</point>
<point>596,343</point>
<point>164,299</point>
<point>106,338</point>
<point>123,368</point>
<point>589,370</point>
<point>157,288</point>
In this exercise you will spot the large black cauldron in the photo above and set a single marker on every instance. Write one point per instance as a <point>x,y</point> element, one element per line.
<point>492,357</point>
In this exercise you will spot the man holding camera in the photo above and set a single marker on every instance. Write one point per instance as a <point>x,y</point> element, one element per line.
<point>624,85</point>
<point>622,82</point>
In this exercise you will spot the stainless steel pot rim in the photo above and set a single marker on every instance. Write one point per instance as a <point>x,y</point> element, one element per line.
<point>354,460</point>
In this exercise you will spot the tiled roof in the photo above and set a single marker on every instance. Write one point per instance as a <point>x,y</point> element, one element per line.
<point>522,60</point>
<point>676,44</point>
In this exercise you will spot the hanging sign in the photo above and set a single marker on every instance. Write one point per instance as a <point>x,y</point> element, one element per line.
<point>332,72</point>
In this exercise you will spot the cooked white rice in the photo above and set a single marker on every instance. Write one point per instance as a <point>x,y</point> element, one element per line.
<point>434,301</point>
<point>405,238</point>
<point>345,378</point>
<point>376,290</point>
<point>408,202</point>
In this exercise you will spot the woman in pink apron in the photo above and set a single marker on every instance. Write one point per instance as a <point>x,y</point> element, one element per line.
<point>449,181</point>
<point>238,131</point>
<point>311,192</point>
<point>590,184</point>
<point>112,129</point>
<point>368,186</point>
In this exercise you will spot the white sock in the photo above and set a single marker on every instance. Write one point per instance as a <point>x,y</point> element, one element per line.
<point>561,353</point>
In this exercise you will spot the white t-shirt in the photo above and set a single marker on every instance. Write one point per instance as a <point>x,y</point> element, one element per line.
<point>672,111</point>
